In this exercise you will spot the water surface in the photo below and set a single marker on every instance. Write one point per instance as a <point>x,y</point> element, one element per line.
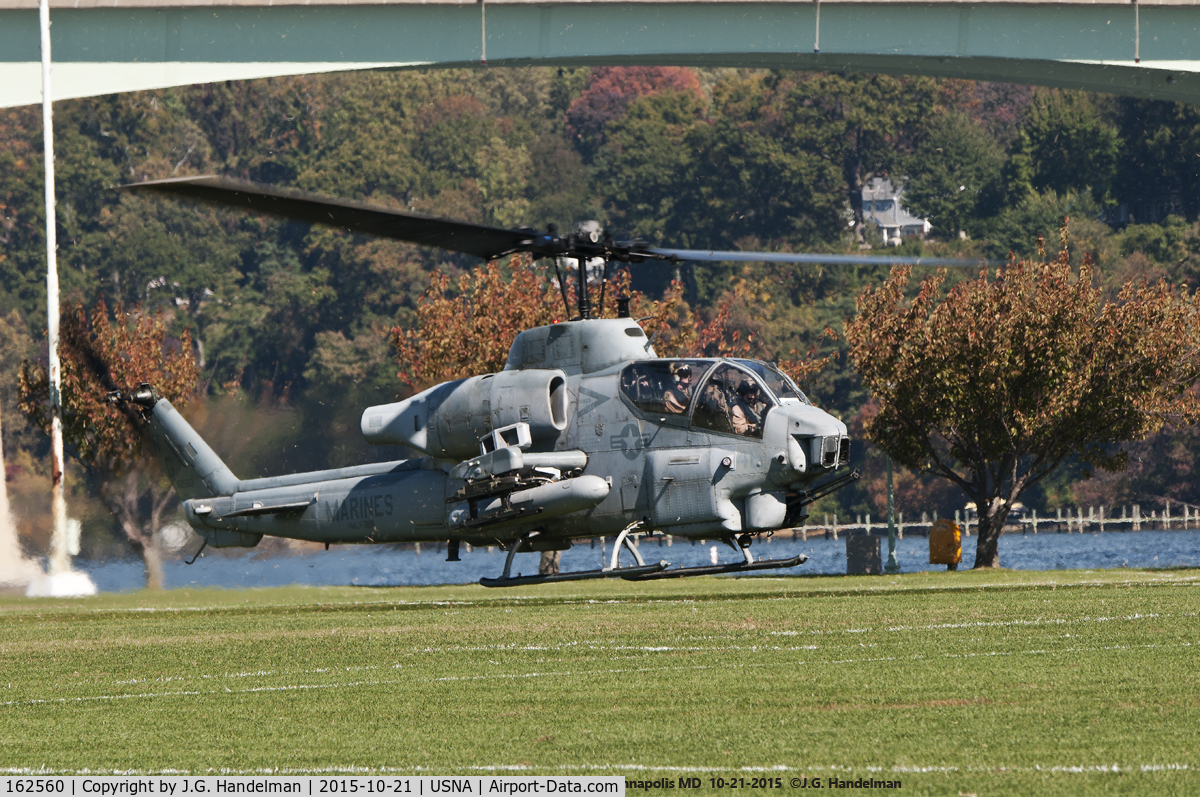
<point>385,565</point>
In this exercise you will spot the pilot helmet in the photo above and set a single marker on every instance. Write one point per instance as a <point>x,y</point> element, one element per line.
<point>681,371</point>
<point>748,388</point>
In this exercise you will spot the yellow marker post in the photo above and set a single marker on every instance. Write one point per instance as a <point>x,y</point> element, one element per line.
<point>945,544</point>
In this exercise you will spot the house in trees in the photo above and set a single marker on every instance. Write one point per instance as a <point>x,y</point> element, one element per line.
<point>883,208</point>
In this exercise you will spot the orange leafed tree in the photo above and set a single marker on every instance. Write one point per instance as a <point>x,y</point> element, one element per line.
<point>100,354</point>
<point>995,384</point>
<point>470,330</point>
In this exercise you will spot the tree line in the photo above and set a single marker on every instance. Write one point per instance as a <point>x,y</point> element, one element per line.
<point>291,327</point>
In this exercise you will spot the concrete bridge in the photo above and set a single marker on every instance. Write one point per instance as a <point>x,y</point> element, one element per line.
<point>1150,49</point>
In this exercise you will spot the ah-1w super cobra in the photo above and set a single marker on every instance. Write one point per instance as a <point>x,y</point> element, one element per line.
<point>586,432</point>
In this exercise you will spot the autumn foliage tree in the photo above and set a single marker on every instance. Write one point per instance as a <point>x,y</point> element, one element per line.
<point>999,381</point>
<point>100,353</point>
<point>467,328</point>
<point>611,89</point>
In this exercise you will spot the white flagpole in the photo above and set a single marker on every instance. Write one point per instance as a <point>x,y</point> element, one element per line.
<point>60,557</point>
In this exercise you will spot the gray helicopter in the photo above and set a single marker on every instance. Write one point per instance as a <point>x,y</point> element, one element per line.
<point>586,432</point>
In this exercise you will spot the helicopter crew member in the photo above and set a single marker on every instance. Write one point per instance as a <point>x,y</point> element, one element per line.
<point>679,396</point>
<point>745,416</point>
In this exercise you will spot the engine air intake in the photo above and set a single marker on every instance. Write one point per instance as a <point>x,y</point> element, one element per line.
<point>449,420</point>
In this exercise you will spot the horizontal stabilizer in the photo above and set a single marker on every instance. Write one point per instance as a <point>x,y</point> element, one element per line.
<point>279,509</point>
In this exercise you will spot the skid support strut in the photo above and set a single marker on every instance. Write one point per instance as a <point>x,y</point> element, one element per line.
<point>629,542</point>
<point>508,580</point>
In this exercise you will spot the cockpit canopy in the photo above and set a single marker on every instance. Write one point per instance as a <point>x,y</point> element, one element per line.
<point>727,396</point>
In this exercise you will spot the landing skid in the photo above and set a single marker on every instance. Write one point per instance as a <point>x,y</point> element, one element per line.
<point>712,570</point>
<point>579,575</point>
<point>641,571</point>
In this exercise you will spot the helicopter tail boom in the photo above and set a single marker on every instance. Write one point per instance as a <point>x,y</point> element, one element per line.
<point>193,467</point>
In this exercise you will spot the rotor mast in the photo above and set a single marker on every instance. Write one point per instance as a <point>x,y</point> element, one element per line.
<point>583,246</point>
<point>581,286</point>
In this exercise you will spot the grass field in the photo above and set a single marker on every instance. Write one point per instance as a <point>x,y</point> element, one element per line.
<point>984,683</point>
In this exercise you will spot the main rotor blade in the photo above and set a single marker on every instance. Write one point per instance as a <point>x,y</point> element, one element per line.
<point>456,236</point>
<point>717,256</point>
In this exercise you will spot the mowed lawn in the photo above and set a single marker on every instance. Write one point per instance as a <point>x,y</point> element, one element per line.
<point>984,683</point>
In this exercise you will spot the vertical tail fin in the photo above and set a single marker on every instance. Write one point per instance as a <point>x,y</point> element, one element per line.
<point>192,466</point>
